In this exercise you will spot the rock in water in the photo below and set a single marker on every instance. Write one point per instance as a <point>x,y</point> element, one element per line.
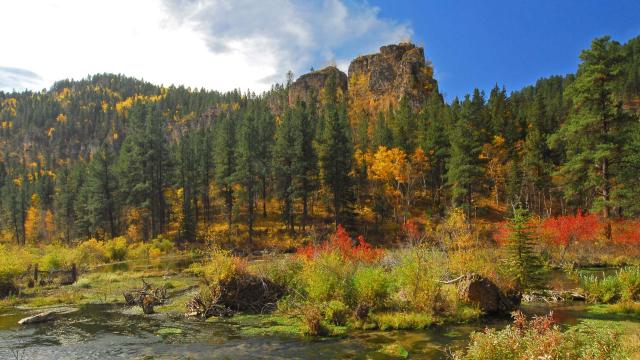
<point>482,292</point>
<point>38,318</point>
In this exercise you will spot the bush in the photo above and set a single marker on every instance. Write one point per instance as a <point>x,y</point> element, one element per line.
<point>417,276</point>
<point>327,277</point>
<point>371,286</point>
<point>284,271</point>
<point>605,290</point>
<point>629,283</point>
<point>117,248</point>
<point>539,338</point>
<point>336,313</point>
<point>56,257</point>
<point>623,285</point>
<point>341,244</point>
<point>221,266</point>
<point>91,251</point>
<point>14,262</point>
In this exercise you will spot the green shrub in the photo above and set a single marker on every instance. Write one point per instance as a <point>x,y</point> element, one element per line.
<point>92,252</point>
<point>221,266</point>
<point>605,290</point>
<point>630,283</point>
<point>371,286</point>
<point>336,312</point>
<point>14,262</point>
<point>164,245</point>
<point>56,257</point>
<point>327,277</point>
<point>416,278</point>
<point>117,248</point>
<point>539,338</point>
<point>284,271</point>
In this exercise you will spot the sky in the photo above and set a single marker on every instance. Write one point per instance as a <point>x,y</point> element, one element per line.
<point>229,44</point>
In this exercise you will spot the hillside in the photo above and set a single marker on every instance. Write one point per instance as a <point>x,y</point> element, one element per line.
<point>372,149</point>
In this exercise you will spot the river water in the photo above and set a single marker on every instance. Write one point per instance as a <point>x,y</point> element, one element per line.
<point>107,332</point>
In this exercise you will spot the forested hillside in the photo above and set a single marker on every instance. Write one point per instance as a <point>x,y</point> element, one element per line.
<point>110,155</point>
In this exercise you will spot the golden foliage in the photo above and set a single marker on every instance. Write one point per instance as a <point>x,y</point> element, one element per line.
<point>126,104</point>
<point>33,221</point>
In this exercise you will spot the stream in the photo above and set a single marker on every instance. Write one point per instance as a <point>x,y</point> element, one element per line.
<point>101,331</point>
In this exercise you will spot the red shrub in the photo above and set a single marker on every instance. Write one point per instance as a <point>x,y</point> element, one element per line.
<point>411,231</point>
<point>502,233</point>
<point>562,230</point>
<point>626,232</point>
<point>341,243</point>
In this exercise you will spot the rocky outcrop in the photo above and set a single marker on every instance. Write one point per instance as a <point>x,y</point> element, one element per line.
<point>377,82</point>
<point>311,84</point>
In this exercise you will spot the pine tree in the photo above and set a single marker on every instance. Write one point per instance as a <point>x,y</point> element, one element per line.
<point>523,263</point>
<point>592,134</point>
<point>284,164</point>
<point>225,161</point>
<point>102,187</point>
<point>247,169</point>
<point>464,171</point>
<point>336,153</point>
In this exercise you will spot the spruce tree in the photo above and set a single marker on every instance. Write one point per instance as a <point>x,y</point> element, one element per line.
<point>523,263</point>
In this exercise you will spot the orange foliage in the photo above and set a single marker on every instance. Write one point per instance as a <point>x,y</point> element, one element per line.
<point>341,243</point>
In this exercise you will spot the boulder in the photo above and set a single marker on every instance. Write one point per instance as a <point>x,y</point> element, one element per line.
<point>484,293</point>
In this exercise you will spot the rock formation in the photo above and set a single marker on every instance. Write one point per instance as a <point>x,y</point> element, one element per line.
<point>312,84</point>
<point>377,82</point>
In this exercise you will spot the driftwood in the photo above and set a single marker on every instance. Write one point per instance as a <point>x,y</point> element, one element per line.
<point>38,318</point>
<point>146,297</point>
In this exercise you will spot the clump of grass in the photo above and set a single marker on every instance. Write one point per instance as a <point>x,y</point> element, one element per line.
<point>402,320</point>
<point>623,285</point>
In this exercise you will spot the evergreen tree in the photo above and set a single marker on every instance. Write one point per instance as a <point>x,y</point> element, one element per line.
<point>336,153</point>
<point>464,171</point>
<point>225,161</point>
<point>102,186</point>
<point>592,134</point>
<point>247,170</point>
<point>523,263</point>
<point>284,164</point>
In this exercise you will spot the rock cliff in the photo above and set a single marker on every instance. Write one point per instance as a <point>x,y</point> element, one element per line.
<point>312,83</point>
<point>378,81</point>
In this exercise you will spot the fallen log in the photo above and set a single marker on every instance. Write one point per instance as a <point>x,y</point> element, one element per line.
<point>38,318</point>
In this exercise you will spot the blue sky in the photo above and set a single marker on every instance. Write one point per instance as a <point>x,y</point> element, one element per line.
<point>512,43</point>
<point>251,44</point>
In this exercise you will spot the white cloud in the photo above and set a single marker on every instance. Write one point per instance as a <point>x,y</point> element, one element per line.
<point>216,44</point>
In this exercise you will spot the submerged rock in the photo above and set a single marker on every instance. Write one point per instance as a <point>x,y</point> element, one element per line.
<point>484,293</point>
